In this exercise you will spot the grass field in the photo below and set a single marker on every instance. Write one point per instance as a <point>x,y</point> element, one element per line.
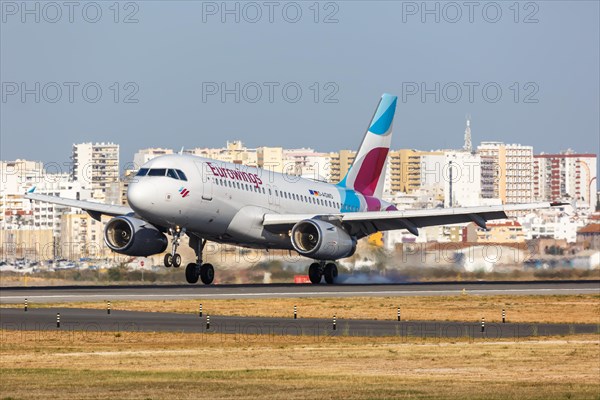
<point>63,365</point>
<point>528,309</point>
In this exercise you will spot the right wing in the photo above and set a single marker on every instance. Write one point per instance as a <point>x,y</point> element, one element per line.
<point>361,224</point>
<point>96,210</point>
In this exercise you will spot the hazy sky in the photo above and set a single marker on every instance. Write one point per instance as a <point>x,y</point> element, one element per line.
<point>526,72</point>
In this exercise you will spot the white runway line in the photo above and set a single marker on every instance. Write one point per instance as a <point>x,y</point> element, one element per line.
<point>304,294</point>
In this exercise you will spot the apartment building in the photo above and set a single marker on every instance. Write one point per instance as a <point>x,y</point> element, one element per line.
<point>96,167</point>
<point>506,172</point>
<point>565,176</point>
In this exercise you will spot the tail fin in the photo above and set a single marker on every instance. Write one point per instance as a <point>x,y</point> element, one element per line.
<point>366,174</point>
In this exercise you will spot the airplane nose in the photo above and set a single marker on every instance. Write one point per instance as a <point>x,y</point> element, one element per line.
<point>141,196</point>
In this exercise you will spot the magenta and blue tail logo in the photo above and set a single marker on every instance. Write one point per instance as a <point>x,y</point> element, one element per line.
<point>183,192</point>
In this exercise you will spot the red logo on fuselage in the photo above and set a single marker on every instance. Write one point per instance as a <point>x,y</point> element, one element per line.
<point>184,192</point>
<point>235,174</point>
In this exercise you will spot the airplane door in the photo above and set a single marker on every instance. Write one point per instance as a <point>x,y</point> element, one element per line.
<point>273,198</point>
<point>207,179</point>
<point>276,195</point>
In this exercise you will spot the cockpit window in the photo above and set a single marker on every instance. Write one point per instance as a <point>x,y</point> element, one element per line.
<point>182,175</point>
<point>157,172</point>
<point>172,174</point>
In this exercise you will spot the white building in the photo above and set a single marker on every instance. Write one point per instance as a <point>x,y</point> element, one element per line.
<point>463,181</point>
<point>16,177</point>
<point>96,167</point>
<point>456,170</point>
<point>307,163</point>
<point>551,223</point>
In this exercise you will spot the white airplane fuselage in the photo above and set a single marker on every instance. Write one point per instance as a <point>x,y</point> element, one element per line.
<point>226,202</point>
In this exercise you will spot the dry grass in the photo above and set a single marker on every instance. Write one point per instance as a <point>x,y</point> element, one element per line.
<point>79,365</point>
<point>528,309</point>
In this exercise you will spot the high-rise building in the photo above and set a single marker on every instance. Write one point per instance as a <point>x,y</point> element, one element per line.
<point>96,167</point>
<point>566,176</point>
<point>405,167</point>
<point>506,172</point>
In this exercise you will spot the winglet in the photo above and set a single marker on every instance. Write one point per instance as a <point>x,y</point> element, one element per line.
<point>31,190</point>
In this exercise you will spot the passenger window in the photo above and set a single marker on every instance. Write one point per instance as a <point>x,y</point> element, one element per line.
<point>172,174</point>
<point>157,172</point>
<point>142,172</point>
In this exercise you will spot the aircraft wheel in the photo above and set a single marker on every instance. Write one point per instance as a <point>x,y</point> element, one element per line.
<point>331,273</point>
<point>191,273</point>
<point>314,273</point>
<point>207,274</point>
<point>168,260</point>
<point>176,260</point>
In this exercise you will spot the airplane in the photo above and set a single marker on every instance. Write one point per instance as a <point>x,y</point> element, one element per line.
<point>210,200</point>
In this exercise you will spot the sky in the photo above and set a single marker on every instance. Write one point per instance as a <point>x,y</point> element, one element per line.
<point>296,74</point>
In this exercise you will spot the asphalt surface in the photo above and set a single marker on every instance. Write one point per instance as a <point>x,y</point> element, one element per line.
<point>85,321</point>
<point>16,295</point>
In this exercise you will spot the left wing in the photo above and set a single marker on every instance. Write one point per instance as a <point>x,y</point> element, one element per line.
<point>96,210</point>
<point>361,224</point>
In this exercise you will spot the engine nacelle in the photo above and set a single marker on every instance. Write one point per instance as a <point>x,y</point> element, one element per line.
<point>322,240</point>
<point>134,237</point>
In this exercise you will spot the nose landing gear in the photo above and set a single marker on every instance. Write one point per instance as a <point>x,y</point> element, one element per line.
<point>173,259</point>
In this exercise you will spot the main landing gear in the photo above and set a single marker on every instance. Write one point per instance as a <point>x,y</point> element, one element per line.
<point>173,259</point>
<point>318,270</point>
<point>196,270</point>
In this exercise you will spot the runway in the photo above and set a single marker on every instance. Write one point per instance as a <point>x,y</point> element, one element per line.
<point>56,294</point>
<point>85,321</point>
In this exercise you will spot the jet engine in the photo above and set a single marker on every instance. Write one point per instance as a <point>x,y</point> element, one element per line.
<point>322,240</point>
<point>134,237</point>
